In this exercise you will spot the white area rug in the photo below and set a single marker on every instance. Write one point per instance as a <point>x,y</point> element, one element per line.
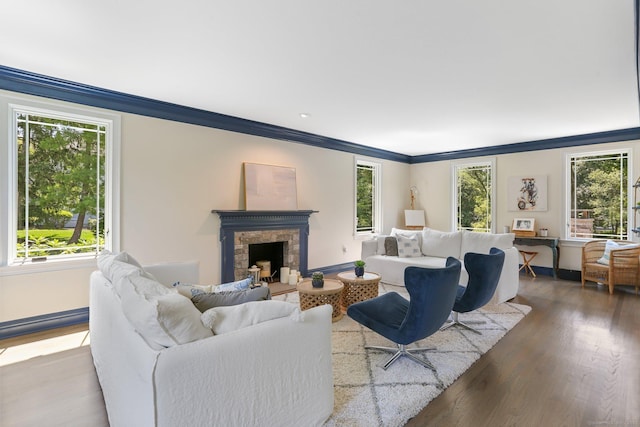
<point>367,395</point>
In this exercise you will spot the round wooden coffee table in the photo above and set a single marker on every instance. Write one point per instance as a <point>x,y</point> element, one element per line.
<point>330,293</point>
<point>358,288</point>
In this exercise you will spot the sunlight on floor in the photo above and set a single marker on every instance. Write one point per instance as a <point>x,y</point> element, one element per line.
<point>19,353</point>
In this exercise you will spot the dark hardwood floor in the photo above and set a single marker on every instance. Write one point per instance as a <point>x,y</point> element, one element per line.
<point>573,361</point>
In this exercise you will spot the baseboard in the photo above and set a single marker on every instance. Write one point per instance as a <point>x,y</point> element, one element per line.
<point>542,271</point>
<point>563,274</point>
<point>29,325</point>
<point>573,275</point>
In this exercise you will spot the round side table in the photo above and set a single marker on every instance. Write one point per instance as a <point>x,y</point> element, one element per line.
<point>329,294</point>
<point>358,288</point>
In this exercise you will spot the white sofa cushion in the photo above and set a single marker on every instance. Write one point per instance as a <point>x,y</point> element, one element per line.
<point>169,273</point>
<point>163,317</point>
<point>483,242</point>
<point>440,243</point>
<point>392,268</point>
<point>230,318</point>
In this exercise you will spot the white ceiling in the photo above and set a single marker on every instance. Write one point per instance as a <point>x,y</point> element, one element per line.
<point>413,77</point>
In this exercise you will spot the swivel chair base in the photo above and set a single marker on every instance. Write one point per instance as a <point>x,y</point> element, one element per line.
<point>400,351</point>
<point>466,325</point>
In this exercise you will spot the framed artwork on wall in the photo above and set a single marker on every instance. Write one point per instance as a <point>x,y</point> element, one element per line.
<point>268,187</point>
<point>527,193</point>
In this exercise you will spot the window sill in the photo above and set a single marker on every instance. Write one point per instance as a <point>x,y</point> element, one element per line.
<point>48,266</point>
<point>364,236</point>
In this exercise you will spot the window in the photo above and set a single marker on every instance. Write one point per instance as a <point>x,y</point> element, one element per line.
<point>60,184</point>
<point>474,193</point>
<point>598,186</point>
<point>368,197</point>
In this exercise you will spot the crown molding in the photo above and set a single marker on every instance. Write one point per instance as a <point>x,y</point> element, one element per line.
<point>50,87</point>
<point>544,144</point>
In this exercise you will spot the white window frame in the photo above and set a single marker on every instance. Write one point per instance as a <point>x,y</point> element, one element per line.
<point>377,203</point>
<point>8,185</point>
<point>455,168</point>
<point>567,190</point>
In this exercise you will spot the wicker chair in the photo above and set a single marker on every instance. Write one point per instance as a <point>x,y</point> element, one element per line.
<point>623,268</point>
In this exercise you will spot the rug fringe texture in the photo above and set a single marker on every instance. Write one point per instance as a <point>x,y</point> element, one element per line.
<point>367,395</point>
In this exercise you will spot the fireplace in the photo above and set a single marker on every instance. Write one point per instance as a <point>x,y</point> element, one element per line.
<point>270,257</point>
<point>240,230</point>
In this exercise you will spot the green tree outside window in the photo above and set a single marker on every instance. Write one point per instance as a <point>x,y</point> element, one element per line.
<point>61,165</point>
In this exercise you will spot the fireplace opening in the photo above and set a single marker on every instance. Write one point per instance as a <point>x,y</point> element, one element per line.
<point>273,253</point>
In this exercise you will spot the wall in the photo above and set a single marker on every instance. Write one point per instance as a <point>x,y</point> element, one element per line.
<point>174,174</point>
<point>434,184</point>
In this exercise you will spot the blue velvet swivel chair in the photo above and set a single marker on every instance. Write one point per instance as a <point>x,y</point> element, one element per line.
<point>432,292</point>
<point>484,273</point>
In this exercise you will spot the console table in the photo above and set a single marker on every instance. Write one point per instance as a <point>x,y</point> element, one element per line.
<point>551,242</point>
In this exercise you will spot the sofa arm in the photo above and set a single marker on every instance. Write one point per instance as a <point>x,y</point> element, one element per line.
<point>509,280</point>
<point>171,272</point>
<point>369,248</point>
<point>274,373</point>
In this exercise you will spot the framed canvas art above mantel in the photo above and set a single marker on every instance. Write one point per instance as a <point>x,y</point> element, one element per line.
<point>269,187</point>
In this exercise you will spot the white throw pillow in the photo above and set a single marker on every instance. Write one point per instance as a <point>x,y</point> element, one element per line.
<point>482,243</point>
<point>407,233</point>
<point>408,247</point>
<point>181,319</point>
<point>163,320</point>
<point>116,266</point>
<point>230,318</point>
<point>441,244</point>
<point>145,286</point>
<point>609,246</point>
<point>120,270</point>
<point>106,261</point>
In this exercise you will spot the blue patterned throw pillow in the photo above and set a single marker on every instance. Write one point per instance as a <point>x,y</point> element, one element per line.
<point>233,286</point>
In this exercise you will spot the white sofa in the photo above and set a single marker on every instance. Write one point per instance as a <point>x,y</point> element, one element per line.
<point>433,247</point>
<point>276,372</point>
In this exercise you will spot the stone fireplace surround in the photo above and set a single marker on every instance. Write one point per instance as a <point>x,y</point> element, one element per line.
<point>239,229</point>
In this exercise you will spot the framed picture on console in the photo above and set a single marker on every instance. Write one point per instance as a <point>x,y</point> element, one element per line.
<point>524,227</point>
